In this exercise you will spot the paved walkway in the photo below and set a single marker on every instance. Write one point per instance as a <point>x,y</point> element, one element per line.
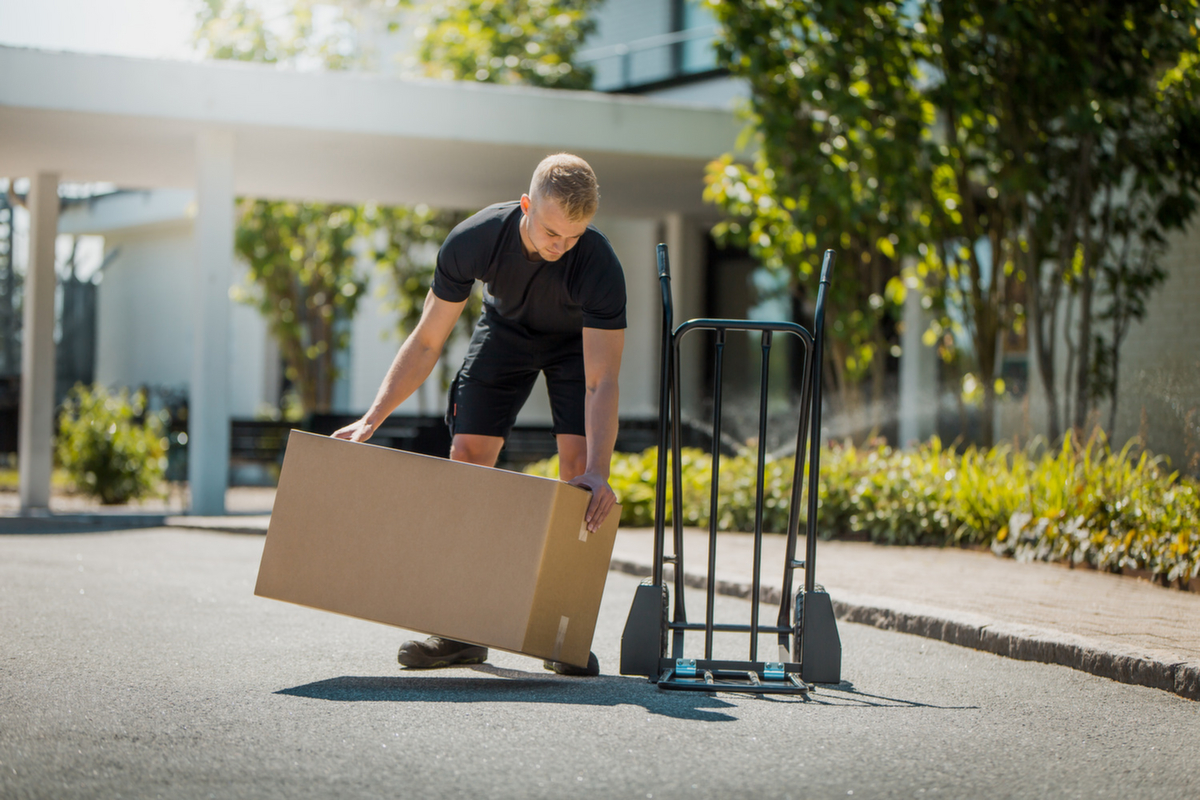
<point>1125,629</point>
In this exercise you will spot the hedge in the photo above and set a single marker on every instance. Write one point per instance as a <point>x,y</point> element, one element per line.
<point>1082,503</point>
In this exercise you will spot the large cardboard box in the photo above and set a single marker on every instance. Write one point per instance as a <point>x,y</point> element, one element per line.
<point>482,555</point>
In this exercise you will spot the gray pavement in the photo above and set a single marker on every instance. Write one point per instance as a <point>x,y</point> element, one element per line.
<point>139,664</point>
<point>1120,628</point>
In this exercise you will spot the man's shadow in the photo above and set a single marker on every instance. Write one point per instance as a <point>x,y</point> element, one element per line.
<point>498,685</point>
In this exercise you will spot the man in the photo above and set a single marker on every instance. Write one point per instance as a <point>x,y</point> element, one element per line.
<point>555,304</point>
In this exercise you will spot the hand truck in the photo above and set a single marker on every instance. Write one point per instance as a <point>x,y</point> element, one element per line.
<point>815,651</point>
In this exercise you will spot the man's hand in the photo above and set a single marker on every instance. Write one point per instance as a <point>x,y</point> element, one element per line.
<point>602,501</point>
<point>357,431</point>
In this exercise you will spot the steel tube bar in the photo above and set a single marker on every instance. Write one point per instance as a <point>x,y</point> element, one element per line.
<point>664,394</point>
<point>714,495</point>
<point>814,459</point>
<point>680,613</point>
<point>759,474</point>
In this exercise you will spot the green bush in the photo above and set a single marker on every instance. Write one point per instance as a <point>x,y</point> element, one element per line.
<point>1082,503</point>
<point>106,452</point>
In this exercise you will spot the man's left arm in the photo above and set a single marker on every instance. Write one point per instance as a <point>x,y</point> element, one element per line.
<point>602,367</point>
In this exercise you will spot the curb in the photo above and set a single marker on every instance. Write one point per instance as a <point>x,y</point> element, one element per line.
<point>78,523</point>
<point>1021,642</point>
<point>216,524</point>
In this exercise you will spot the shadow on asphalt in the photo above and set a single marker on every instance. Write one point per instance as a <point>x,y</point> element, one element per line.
<point>514,686</point>
<point>846,695</point>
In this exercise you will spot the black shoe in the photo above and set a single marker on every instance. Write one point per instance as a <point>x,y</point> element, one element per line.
<point>590,671</point>
<point>438,652</point>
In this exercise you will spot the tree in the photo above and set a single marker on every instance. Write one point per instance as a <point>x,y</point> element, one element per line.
<point>1122,171</point>
<point>527,42</point>
<point>301,264</point>
<point>1036,120</point>
<point>306,284</point>
<point>302,272</point>
<point>836,119</point>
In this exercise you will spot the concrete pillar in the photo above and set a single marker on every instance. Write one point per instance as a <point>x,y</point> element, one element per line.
<point>35,441</point>
<point>918,374</point>
<point>208,393</point>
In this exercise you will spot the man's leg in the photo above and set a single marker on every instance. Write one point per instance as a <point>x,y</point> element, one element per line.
<point>572,456</point>
<point>472,448</point>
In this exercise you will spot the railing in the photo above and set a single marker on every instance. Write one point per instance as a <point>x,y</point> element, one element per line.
<point>627,51</point>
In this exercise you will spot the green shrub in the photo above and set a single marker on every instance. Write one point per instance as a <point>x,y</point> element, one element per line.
<point>1081,503</point>
<point>107,453</point>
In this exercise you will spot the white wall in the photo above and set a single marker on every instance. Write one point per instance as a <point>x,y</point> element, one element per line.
<point>1160,361</point>
<point>1159,382</point>
<point>144,320</point>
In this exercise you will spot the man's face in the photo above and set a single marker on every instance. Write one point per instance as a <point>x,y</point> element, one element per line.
<point>546,231</point>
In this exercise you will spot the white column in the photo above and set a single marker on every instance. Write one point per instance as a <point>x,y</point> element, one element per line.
<point>918,374</point>
<point>35,442</point>
<point>208,394</point>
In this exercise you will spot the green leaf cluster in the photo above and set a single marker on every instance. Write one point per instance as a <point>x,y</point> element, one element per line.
<point>404,241</point>
<point>304,280</point>
<point>1013,151</point>
<point>1082,503</point>
<point>244,30</point>
<point>105,450</point>
<point>520,42</point>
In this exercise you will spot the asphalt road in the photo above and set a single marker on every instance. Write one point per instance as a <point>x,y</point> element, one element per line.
<point>139,664</point>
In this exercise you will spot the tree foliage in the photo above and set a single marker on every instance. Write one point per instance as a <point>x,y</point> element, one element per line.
<point>526,42</point>
<point>305,282</point>
<point>834,122</point>
<point>302,255</point>
<point>1018,152</point>
<point>243,30</point>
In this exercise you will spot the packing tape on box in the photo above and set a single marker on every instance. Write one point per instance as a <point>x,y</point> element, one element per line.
<point>583,531</point>
<point>561,637</point>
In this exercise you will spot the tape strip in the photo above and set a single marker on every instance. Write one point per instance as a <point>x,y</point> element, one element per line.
<point>583,531</point>
<point>561,637</point>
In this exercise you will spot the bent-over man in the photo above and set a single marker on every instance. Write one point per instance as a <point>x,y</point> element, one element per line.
<point>554,303</point>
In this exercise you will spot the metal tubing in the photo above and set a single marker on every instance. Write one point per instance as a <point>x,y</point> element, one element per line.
<point>760,473</point>
<point>727,627</point>
<point>664,394</point>
<point>680,613</point>
<point>814,459</point>
<point>714,494</point>
<point>785,602</point>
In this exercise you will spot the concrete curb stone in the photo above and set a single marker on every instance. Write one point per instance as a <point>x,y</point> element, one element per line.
<point>1021,642</point>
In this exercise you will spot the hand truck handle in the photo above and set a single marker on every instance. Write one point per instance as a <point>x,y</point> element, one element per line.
<point>664,268</point>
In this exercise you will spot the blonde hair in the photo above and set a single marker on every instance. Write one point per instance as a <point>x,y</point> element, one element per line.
<point>569,181</point>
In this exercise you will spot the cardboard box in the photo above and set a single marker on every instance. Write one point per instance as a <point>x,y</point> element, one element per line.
<point>482,555</point>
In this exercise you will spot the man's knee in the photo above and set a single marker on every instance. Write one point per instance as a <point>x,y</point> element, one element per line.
<point>475,449</point>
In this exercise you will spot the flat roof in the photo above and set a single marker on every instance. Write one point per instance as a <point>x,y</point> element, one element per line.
<point>339,136</point>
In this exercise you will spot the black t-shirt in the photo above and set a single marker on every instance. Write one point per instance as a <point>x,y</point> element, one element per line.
<point>583,289</point>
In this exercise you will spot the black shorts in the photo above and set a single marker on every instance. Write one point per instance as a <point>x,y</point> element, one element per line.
<point>502,364</point>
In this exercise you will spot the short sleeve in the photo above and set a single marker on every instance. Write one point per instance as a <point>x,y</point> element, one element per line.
<point>457,267</point>
<point>600,290</point>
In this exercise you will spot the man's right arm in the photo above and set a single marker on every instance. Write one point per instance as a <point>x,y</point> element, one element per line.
<point>411,367</point>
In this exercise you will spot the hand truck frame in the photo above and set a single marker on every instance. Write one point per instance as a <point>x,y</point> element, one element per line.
<point>815,647</point>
